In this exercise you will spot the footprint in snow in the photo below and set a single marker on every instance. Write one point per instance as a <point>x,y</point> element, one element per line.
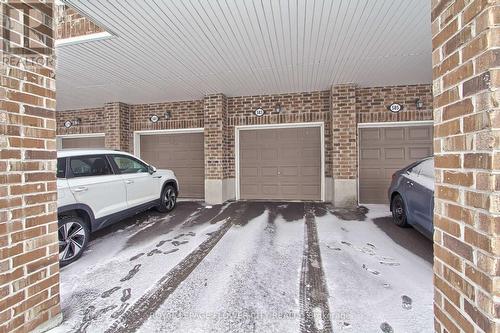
<point>177,243</point>
<point>406,302</point>
<point>120,310</point>
<point>346,243</point>
<point>179,236</point>
<point>371,245</point>
<point>126,295</point>
<point>108,293</point>
<point>161,243</point>
<point>334,248</point>
<point>87,316</point>
<point>389,263</point>
<point>153,252</point>
<point>170,251</point>
<point>344,229</point>
<point>137,256</point>
<point>374,272</point>
<point>386,328</point>
<point>345,325</point>
<point>131,273</point>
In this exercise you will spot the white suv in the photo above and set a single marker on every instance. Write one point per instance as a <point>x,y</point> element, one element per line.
<point>99,187</point>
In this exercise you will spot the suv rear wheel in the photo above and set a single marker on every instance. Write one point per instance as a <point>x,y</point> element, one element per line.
<point>73,238</point>
<point>168,199</point>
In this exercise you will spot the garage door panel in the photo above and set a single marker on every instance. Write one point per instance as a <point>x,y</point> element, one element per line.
<point>397,148</point>
<point>270,189</point>
<point>394,153</point>
<point>371,154</point>
<point>83,142</point>
<point>394,133</point>
<point>288,163</point>
<point>420,152</point>
<point>288,171</point>
<point>182,153</point>
<point>269,154</point>
<point>418,133</point>
<point>249,155</point>
<point>370,134</point>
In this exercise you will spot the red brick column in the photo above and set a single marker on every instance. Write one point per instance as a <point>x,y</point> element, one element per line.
<point>217,185</point>
<point>344,148</point>
<point>117,130</point>
<point>467,211</point>
<point>29,265</point>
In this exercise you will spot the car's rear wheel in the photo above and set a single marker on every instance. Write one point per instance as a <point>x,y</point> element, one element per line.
<point>168,199</point>
<point>73,235</point>
<point>399,211</point>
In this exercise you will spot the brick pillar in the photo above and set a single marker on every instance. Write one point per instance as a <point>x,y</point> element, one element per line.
<point>117,121</point>
<point>217,187</point>
<point>29,263</point>
<point>344,152</point>
<point>466,62</point>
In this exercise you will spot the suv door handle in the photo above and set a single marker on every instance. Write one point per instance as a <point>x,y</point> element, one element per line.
<point>128,181</point>
<point>409,183</point>
<point>80,189</point>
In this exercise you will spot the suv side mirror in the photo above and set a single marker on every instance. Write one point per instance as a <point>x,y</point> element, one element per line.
<point>151,169</point>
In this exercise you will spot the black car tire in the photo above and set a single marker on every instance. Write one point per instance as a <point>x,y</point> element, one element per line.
<point>168,199</point>
<point>399,211</point>
<point>73,235</point>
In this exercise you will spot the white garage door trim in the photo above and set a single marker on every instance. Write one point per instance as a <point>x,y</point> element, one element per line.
<point>385,124</point>
<point>137,136</point>
<point>237,129</point>
<point>80,135</point>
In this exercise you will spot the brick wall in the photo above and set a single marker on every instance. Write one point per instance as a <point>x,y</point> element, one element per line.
<point>184,114</point>
<point>344,132</point>
<point>372,102</point>
<point>72,24</point>
<point>92,121</point>
<point>29,265</point>
<point>466,72</point>
<point>215,119</point>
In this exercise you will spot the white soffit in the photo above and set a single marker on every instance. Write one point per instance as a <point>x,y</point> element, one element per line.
<point>171,50</point>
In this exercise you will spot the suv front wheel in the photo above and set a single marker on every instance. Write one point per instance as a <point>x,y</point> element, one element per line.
<point>168,199</point>
<point>73,238</point>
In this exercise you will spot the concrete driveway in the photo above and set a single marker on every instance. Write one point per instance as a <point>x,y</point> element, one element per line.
<point>252,267</point>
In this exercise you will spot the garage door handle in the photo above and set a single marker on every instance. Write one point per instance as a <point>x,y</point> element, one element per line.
<point>129,182</point>
<point>80,189</point>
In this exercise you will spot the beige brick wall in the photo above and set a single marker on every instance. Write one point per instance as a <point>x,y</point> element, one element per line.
<point>29,265</point>
<point>466,81</point>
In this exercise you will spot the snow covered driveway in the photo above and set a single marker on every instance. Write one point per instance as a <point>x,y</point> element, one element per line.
<point>252,267</point>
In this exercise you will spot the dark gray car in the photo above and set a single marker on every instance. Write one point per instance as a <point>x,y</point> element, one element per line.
<point>411,196</point>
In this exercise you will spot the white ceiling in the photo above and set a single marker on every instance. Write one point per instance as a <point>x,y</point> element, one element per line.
<point>166,50</point>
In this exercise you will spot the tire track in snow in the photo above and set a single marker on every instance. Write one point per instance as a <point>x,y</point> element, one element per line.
<point>137,314</point>
<point>314,309</point>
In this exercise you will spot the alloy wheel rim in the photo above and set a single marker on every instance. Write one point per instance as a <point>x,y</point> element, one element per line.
<point>170,199</point>
<point>399,211</point>
<point>71,240</point>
